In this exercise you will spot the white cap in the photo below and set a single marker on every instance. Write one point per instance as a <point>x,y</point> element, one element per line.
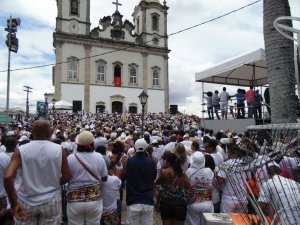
<point>85,138</point>
<point>113,135</point>
<point>140,145</point>
<point>10,133</point>
<point>197,160</point>
<point>154,141</point>
<point>186,135</point>
<point>273,163</point>
<point>225,141</point>
<point>23,138</point>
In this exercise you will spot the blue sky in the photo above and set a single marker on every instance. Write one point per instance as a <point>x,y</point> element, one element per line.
<point>191,51</point>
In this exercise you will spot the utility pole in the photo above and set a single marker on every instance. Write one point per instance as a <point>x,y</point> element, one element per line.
<point>28,89</point>
<point>12,43</point>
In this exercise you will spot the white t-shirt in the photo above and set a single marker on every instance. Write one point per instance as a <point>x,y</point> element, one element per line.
<point>79,175</point>
<point>218,158</point>
<point>4,161</point>
<point>290,162</point>
<point>110,189</point>
<point>40,172</point>
<point>185,165</point>
<point>187,144</point>
<point>224,97</point>
<point>157,153</point>
<point>235,183</point>
<point>284,195</point>
<point>201,179</point>
<point>170,146</point>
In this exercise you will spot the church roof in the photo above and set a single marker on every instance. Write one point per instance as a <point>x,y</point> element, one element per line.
<point>150,1</point>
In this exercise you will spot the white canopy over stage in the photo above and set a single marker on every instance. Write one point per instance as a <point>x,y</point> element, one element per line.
<point>243,70</point>
<point>61,105</point>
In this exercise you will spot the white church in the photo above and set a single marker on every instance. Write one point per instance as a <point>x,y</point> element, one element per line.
<point>107,67</point>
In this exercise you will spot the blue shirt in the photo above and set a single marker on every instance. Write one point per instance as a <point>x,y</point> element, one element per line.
<point>240,98</point>
<point>140,176</point>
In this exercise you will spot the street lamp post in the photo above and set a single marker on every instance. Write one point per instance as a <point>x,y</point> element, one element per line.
<point>143,100</point>
<point>53,104</point>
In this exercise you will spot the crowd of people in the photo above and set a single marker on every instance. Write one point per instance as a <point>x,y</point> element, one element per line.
<point>76,168</point>
<point>219,101</point>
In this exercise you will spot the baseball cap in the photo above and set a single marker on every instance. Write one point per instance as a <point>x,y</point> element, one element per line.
<point>140,145</point>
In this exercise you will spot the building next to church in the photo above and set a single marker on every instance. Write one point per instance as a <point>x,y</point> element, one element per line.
<point>107,67</point>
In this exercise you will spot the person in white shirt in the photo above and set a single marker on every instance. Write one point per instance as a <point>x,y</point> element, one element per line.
<point>224,97</point>
<point>44,168</point>
<point>280,197</point>
<point>201,179</point>
<point>110,189</point>
<point>211,149</point>
<point>171,145</point>
<point>186,141</point>
<point>234,196</point>
<point>4,161</point>
<point>88,171</point>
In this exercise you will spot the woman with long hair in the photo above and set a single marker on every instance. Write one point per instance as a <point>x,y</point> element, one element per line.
<point>182,156</point>
<point>174,188</point>
<point>88,170</point>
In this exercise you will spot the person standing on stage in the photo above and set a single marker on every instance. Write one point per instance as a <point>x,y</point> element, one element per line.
<point>224,97</point>
<point>216,103</point>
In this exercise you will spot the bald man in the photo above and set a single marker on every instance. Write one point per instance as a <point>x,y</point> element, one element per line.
<point>44,168</point>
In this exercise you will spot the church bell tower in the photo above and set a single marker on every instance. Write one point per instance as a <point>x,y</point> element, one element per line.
<point>73,16</point>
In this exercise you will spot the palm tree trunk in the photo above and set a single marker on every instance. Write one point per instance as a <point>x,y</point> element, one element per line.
<point>281,70</point>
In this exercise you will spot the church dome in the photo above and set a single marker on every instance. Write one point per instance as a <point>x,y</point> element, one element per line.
<point>157,1</point>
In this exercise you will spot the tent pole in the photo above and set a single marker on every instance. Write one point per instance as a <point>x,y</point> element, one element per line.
<point>203,119</point>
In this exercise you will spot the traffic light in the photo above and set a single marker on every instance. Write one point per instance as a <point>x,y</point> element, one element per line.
<point>12,25</point>
<point>12,41</point>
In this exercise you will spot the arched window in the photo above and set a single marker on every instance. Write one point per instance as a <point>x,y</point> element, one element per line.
<point>100,76</point>
<point>133,74</point>
<point>154,22</point>
<point>74,7</point>
<point>155,76</point>
<point>73,68</point>
<point>117,74</point>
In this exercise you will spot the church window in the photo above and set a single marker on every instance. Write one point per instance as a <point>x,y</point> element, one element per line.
<point>74,7</point>
<point>100,76</point>
<point>133,74</point>
<point>73,68</point>
<point>155,76</point>
<point>117,74</point>
<point>155,22</point>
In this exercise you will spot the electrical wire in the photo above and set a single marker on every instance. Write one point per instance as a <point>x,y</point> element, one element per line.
<point>121,49</point>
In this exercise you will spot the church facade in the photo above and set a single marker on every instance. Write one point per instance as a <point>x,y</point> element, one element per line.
<point>106,68</point>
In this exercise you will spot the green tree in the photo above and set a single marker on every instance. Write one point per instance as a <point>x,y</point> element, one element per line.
<point>281,70</point>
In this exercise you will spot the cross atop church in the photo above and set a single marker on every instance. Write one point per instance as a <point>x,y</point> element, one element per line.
<point>117,4</point>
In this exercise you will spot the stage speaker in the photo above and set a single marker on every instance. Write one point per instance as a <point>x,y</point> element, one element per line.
<point>173,109</point>
<point>77,106</point>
